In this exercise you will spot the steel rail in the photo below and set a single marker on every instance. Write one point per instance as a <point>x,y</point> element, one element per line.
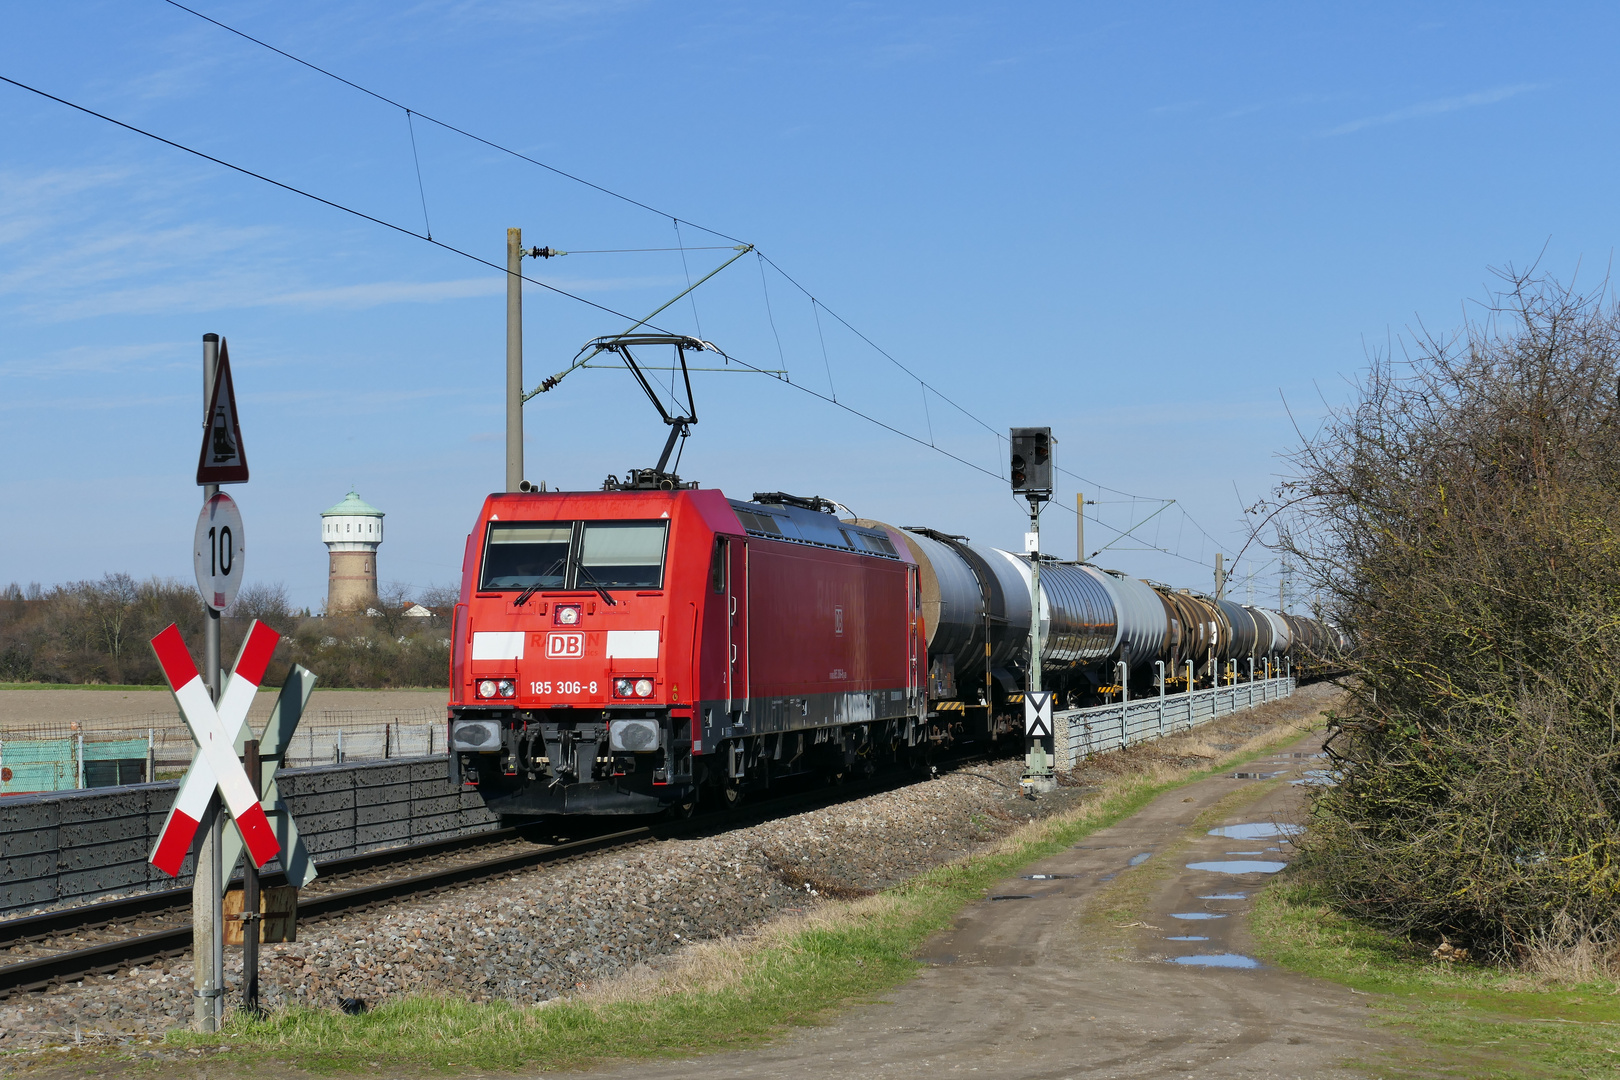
<point>125,909</point>
<point>96,959</point>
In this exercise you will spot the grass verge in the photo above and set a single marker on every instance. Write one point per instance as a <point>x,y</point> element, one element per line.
<point>720,995</point>
<point>1476,1021</point>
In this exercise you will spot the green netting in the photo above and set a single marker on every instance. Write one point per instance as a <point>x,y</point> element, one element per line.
<point>37,765</point>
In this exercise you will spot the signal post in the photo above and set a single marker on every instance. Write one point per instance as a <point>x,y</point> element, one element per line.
<point>1031,475</point>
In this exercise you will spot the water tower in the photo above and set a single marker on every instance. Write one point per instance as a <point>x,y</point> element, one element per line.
<point>351,531</point>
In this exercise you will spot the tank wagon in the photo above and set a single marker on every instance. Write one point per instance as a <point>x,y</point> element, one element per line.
<point>630,651</point>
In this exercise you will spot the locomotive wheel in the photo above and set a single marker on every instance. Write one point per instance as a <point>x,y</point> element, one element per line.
<point>685,807</point>
<point>732,793</point>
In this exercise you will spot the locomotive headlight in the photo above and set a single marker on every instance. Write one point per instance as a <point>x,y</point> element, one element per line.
<point>566,615</point>
<point>507,687</point>
<point>487,688</point>
<point>624,687</point>
<point>644,688</point>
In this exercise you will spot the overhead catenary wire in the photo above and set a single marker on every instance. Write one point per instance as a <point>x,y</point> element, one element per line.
<point>441,123</point>
<point>427,236</point>
<point>630,200</point>
<point>309,195</point>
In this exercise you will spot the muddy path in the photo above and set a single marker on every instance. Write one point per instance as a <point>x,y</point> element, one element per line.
<point>1124,956</point>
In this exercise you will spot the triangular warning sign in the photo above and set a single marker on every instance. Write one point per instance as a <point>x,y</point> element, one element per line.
<point>222,460</point>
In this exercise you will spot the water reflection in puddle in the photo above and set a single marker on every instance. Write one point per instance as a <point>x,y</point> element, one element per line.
<point>1187,937</point>
<point>1045,877</point>
<point>1013,896</point>
<point>1239,866</point>
<point>1225,896</point>
<point>1141,857</point>
<point>1318,778</point>
<point>1220,960</point>
<point>1256,776</point>
<point>1248,852</point>
<point>1190,915</point>
<point>1257,830</point>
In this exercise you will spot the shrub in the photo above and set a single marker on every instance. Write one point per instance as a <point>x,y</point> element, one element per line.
<point>1463,513</point>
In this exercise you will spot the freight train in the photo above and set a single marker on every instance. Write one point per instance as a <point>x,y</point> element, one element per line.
<point>637,649</point>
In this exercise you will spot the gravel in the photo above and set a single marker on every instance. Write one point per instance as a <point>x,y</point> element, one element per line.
<point>546,932</point>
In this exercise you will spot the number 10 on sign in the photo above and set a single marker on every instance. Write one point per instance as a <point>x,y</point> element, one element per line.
<point>217,551</point>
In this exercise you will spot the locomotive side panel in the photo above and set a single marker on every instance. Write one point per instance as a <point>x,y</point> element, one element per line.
<point>826,622</point>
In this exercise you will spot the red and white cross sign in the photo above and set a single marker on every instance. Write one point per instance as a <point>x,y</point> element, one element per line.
<point>215,763</point>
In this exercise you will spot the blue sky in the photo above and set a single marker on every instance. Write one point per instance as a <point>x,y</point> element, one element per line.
<point>1144,226</point>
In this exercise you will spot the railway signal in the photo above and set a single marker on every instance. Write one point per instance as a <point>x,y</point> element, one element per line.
<point>1031,476</point>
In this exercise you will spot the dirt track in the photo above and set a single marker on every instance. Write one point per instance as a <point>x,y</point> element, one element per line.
<point>1078,979</point>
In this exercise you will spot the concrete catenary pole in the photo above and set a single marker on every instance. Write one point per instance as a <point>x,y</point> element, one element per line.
<point>514,359</point>
<point>207,918</point>
<point>1220,576</point>
<point>1080,526</point>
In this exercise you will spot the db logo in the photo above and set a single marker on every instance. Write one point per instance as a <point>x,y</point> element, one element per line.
<point>565,646</point>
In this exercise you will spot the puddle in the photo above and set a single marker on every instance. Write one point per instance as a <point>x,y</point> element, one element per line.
<point>1225,896</point>
<point>1256,775</point>
<point>1300,755</point>
<point>1045,877</point>
<point>1192,915</point>
<point>1187,937</point>
<point>1239,866</point>
<point>1013,896</point>
<point>1257,830</point>
<point>1142,857</point>
<point>1220,960</point>
<point>1248,852</point>
<point>1318,778</point>
<point>1108,877</point>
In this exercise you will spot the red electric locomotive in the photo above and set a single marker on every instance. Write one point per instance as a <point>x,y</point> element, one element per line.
<point>618,652</point>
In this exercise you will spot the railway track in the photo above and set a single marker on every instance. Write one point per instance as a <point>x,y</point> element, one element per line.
<point>161,920</point>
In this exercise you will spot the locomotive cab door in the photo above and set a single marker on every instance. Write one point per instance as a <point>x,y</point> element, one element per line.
<point>737,682</point>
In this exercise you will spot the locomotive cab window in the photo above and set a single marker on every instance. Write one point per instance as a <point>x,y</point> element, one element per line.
<point>622,555</point>
<point>521,554</point>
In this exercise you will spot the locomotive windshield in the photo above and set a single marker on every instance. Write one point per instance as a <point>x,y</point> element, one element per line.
<point>574,555</point>
<point>622,554</point>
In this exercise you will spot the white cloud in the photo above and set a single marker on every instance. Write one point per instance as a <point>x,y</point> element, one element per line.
<point>1437,107</point>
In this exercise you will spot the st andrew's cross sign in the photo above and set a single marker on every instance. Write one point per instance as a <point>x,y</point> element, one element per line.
<point>215,731</point>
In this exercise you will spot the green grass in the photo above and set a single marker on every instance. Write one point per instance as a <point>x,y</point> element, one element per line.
<point>1474,1020</point>
<point>853,953</point>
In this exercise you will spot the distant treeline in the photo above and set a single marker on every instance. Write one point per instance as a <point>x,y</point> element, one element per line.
<point>98,632</point>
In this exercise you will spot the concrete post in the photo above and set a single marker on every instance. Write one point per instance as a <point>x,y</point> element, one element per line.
<point>514,359</point>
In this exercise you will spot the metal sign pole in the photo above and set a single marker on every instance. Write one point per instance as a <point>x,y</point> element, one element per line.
<point>207,916</point>
<point>250,898</point>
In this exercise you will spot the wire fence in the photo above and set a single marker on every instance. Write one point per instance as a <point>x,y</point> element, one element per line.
<point>60,756</point>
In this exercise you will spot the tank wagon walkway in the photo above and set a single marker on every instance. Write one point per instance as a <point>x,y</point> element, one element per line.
<point>1044,987</point>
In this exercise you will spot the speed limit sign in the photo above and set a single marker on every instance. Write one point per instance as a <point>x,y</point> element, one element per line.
<point>217,551</point>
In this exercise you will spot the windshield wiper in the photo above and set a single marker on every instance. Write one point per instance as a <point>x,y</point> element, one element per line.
<point>600,589</point>
<point>523,597</point>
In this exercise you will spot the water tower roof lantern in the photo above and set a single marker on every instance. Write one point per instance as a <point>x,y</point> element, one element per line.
<point>352,506</point>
